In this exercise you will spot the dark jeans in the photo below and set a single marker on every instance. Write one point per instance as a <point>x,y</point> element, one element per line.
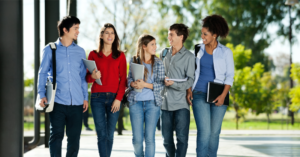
<point>71,117</point>
<point>105,121</point>
<point>181,119</point>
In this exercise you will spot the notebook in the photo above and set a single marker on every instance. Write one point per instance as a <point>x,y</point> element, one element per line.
<point>214,90</point>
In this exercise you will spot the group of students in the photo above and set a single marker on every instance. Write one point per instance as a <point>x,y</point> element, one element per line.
<point>160,98</point>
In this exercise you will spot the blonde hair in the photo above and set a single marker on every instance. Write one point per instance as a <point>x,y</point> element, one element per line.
<point>144,39</point>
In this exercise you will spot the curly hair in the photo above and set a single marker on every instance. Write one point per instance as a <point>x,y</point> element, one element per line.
<point>181,29</point>
<point>216,24</point>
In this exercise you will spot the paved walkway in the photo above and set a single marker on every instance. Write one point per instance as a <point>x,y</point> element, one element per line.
<point>257,143</point>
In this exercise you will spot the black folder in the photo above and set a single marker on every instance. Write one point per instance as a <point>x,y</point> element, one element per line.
<point>214,90</point>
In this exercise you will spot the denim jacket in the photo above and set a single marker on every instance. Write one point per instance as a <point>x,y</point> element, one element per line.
<point>223,64</point>
<point>158,85</point>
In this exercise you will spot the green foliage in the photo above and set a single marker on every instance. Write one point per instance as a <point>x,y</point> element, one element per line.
<point>247,20</point>
<point>240,55</point>
<point>252,88</point>
<point>29,82</point>
<point>295,91</point>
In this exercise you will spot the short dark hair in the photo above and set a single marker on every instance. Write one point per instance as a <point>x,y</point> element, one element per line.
<point>216,24</point>
<point>180,29</point>
<point>67,22</point>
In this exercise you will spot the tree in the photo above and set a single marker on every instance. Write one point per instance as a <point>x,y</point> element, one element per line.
<point>248,21</point>
<point>295,91</point>
<point>252,87</point>
<point>130,20</point>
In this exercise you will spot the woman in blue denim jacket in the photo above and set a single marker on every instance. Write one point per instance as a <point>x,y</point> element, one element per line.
<point>144,107</point>
<point>214,64</point>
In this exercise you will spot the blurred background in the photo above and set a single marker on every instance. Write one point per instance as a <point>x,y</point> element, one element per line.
<point>264,37</point>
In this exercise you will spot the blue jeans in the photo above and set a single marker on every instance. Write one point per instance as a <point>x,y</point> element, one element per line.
<point>179,121</point>
<point>105,121</point>
<point>208,119</point>
<point>144,113</point>
<point>65,116</point>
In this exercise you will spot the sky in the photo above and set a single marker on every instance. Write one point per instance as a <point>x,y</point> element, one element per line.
<point>278,46</point>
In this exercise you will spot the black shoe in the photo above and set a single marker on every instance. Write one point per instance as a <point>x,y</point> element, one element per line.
<point>88,129</point>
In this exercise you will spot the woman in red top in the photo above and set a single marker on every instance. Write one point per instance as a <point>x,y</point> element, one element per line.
<point>106,98</point>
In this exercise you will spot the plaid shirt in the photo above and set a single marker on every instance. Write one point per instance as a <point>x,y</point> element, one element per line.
<point>158,85</point>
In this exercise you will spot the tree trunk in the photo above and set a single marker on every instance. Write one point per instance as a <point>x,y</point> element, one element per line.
<point>292,118</point>
<point>268,117</point>
<point>236,108</point>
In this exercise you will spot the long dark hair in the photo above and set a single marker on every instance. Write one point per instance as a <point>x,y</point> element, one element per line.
<point>140,53</point>
<point>115,45</point>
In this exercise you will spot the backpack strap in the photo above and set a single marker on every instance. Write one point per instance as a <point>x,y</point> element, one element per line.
<point>164,53</point>
<point>197,48</point>
<point>53,48</point>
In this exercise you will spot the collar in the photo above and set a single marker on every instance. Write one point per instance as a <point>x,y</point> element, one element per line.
<point>181,51</point>
<point>218,46</point>
<point>58,42</point>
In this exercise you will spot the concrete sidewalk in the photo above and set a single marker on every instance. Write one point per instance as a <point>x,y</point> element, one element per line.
<point>236,143</point>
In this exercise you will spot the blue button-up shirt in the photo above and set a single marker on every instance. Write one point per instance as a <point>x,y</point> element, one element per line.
<point>223,64</point>
<point>70,74</point>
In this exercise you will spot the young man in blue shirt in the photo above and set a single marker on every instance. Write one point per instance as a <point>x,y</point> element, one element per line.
<point>71,98</point>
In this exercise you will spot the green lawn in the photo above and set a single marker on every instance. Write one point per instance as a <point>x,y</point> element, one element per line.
<point>251,122</point>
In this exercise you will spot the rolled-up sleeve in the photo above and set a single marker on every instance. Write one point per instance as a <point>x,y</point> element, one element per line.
<point>190,74</point>
<point>158,85</point>
<point>229,68</point>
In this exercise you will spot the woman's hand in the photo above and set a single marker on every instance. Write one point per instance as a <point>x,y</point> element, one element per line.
<point>115,106</point>
<point>96,74</point>
<point>140,84</point>
<point>189,96</point>
<point>219,101</point>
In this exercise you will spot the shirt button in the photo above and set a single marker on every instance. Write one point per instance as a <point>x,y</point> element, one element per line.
<point>69,63</point>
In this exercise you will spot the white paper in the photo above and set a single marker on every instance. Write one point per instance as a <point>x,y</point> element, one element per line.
<point>177,80</point>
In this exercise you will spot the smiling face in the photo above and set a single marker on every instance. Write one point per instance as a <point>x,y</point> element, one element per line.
<point>173,38</point>
<point>207,36</point>
<point>108,36</point>
<point>150,48</point>
<point>72,33</point>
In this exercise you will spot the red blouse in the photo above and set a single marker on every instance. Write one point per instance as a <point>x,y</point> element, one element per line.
<point>113,74</point>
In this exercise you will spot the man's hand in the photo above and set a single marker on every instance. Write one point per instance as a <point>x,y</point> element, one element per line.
<point>43,101</point>
<point>96,74</point>
<point>115,106</point>
<point>168,83</point>
<point>219,101</point>
<point>189,96</point>
<point>140,84</point>
<point>85,105</point>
